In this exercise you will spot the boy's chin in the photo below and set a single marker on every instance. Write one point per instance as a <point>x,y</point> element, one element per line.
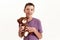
<point>29,16</point>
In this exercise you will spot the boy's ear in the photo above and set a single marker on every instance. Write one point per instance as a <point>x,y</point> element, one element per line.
<point>24,10</point>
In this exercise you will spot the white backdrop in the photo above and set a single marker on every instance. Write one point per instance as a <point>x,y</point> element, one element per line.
<point>48,11</point>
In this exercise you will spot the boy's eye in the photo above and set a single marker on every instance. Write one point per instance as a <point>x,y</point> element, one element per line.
<point>27,9</point>
<point>31,9</point>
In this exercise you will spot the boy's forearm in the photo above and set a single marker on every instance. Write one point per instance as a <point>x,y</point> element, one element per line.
<point>38,34</point>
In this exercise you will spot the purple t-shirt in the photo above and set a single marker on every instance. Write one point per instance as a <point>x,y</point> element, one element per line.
<point>37,24</point>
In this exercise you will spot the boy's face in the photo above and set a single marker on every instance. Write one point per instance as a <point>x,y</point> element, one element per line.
<point>29,10</point>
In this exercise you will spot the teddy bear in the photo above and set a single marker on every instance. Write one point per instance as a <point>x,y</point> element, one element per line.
<point>23,22</point>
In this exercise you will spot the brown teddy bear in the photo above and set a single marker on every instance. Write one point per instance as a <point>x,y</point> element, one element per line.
<point>23,22</point>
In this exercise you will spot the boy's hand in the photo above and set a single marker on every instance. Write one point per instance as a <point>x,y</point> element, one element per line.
<point>31,29</point>
<point>21,28</point>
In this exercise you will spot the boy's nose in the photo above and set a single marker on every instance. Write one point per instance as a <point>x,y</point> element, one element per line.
<point>29,10</point>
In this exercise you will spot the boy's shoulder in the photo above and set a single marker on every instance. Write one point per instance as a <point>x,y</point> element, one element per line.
<point>37,19</point>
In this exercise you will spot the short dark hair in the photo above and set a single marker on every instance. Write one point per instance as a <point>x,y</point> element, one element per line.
<point>29,4</point>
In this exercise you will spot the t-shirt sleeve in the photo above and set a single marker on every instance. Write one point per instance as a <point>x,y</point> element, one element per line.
<point>39,26</point>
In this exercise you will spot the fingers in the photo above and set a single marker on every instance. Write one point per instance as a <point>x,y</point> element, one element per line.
<point>21,28</point>
<point>26,29</point>
<point>29,29</point>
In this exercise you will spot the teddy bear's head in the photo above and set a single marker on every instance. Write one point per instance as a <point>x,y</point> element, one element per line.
<point>23,20</point>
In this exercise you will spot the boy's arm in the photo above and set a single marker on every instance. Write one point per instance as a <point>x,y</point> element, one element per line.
<point>38,34</point>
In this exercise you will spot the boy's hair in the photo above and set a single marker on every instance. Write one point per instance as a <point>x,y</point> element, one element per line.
<point>29,4</point>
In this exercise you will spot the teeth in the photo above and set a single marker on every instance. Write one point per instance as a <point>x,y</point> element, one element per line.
<point>24,21</point>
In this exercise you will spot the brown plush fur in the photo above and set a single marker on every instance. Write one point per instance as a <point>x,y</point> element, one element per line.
<point>22,24</point>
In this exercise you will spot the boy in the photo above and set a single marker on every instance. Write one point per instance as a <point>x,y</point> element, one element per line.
<point>34,24</point>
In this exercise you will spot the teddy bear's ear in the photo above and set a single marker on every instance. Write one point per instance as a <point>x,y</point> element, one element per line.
<point>18,20</point>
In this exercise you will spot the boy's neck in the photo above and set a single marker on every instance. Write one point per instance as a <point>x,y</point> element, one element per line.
<point>29,18</point>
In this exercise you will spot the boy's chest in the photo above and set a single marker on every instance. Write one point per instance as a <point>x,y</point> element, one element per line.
<point>33,24</point>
